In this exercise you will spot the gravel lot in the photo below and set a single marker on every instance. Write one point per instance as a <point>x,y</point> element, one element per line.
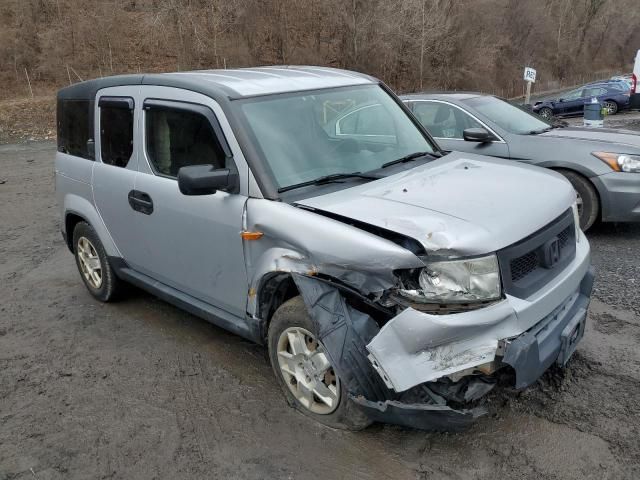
<point>141,390</point>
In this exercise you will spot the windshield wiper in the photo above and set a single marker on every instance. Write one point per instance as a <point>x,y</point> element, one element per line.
<point>542,130</point>
<point>327,179</point>
<point>407,158</point>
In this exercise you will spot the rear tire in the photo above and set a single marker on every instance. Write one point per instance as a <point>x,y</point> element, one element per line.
<point>292,318</point>
<point>587,198</point>
<point>611,107</point>
<point>93,264</point>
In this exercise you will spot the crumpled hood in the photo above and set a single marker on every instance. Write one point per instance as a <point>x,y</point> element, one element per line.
<point>618,138</point>
<point>461,204</point>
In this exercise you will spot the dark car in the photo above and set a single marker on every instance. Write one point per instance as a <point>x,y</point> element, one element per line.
<point>603,165</point>
<point>614,96</point>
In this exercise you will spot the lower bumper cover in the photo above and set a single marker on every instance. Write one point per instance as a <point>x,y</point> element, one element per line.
<point>620,196</point>
<point>435,418</point>
<point>554,339</point>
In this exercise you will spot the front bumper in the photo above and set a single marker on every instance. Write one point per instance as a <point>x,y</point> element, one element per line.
<point>620,196</point>
<point>415,347</point>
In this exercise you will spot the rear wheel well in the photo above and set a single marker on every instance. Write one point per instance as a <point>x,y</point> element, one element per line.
<point>70,222</point>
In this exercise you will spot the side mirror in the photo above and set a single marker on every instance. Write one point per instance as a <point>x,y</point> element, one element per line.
<point>560,100</point>
<point>205,180</point>
<point>477,135</point>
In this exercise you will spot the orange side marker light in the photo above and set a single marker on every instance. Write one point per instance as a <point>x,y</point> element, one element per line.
<point>251,235</point>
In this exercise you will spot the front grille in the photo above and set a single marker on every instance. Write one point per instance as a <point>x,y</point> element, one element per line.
<point>523,266</point>
<point>529,264</point>
<point>564,237</point>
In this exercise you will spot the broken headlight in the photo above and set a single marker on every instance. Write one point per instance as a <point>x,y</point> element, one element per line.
<point>456,281</point>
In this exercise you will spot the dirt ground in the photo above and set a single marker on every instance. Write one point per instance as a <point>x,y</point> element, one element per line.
<point>140,390</point>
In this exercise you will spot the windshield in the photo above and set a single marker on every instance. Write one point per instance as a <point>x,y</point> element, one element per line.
<point>508,116</point>
<point>307,135</point>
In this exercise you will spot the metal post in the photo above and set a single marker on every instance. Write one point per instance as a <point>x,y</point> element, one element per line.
<point>28,81</point>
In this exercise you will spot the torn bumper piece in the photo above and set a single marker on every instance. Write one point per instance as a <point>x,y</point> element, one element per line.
<point>437,418</point>
<point>344,333</point>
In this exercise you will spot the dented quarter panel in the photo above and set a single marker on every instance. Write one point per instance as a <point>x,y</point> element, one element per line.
<point>456,204</point>
<point>300,241</point>
<point>416,347</point>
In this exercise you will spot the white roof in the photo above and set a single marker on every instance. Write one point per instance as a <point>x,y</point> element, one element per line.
<point>277,79</point>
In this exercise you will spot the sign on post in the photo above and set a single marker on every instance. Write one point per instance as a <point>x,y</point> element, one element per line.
<point>529,77</point>
<point>529,74</point>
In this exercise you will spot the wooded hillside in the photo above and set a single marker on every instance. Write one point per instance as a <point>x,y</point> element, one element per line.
<point>411,44</point>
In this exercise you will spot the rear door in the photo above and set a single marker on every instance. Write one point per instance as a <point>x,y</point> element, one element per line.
<point>446,122</point>
<point>190,243</point>
<point>116,162</point>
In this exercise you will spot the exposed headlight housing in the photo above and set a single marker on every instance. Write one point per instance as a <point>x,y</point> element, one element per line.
<point>464,280</point>
<point>620,162</point>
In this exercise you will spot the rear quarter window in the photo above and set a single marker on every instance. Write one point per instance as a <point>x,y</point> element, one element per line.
<point>74,127</point>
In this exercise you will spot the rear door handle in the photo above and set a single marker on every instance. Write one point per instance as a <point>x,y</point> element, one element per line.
<point>141,202</point>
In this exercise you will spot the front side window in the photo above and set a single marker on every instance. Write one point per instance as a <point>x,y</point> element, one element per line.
<point>574,95</point>
<point>116,131</point>
<point>177,138</point>
<point>306,135</point>
<point>443,120</point>
<point>506,115</point>
<point>74,128</point>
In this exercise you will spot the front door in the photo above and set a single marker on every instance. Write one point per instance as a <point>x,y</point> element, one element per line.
<point>572,103</point>
<point>446,123</point>
<point>191,243</point>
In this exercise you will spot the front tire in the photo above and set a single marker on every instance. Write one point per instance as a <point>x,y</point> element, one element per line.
<point>546,113</point>
<point>304,372</point>
<point>586,197</point>
<point>93,264</point>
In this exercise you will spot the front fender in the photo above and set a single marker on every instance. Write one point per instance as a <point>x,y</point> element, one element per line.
<point>296,240</point>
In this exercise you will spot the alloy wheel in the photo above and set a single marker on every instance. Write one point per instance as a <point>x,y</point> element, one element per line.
<point>610,107</point>
<point>546,113</point>
<point>307,371</point>
<point>89,262</point>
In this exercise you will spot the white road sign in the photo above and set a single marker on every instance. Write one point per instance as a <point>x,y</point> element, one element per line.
<point>529,74</point>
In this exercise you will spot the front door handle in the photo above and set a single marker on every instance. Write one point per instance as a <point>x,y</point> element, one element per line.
<point>141,202</point>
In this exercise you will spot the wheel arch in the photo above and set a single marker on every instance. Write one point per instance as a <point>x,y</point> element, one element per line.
<point>71,219</point>
<point>275,288</point>
<point>76,209</point>
<point>595,185</point>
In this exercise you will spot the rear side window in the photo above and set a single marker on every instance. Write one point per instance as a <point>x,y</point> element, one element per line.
<point>177,138</point>
<point>116,130</point>
<point>74,128</point>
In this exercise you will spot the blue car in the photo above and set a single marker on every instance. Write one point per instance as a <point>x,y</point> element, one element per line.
<point>614,96</point>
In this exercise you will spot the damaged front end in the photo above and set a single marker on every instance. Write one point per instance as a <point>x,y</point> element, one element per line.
<point>404,358</point>
<point>345,333</point>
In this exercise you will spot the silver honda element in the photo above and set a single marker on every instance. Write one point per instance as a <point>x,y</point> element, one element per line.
<point>306,209</point>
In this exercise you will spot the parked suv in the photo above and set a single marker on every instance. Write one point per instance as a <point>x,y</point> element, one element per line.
<point>308,210</point>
